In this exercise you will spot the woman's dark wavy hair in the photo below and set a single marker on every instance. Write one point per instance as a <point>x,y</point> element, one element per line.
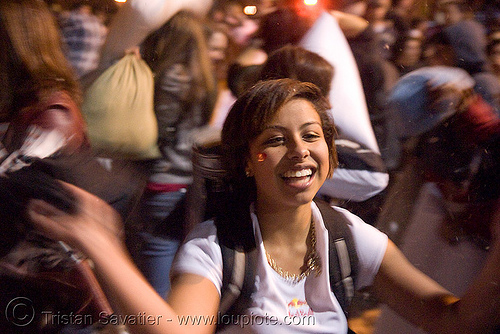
<point>247,120</point>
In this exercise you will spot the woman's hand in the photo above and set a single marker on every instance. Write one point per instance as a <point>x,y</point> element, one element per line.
<point>93,230</point>
<point>93,221</point>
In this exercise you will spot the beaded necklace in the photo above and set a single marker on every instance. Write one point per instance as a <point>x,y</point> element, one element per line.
<point>313,262</point>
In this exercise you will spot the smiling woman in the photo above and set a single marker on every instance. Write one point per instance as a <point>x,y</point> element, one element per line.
<point>245,137</point>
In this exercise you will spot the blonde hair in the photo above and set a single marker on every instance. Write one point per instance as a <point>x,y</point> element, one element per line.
<point>182,40</point>
<point>32,61</point>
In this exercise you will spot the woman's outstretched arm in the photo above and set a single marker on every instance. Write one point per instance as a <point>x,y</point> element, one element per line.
<point>426,304</point>
<point>93,231</point>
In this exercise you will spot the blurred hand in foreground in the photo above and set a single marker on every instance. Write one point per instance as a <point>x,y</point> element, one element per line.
<point>93,218</point>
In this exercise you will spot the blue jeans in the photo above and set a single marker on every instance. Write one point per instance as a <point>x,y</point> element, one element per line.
<point>155,259</point>
<point>162,215</point>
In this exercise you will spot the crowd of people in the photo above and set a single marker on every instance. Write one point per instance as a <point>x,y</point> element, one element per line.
<point>353,148</point>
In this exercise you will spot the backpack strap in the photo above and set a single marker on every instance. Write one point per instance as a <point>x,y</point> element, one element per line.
<point>233,278</point>
<point>341,254</point>
<point>238,280</point>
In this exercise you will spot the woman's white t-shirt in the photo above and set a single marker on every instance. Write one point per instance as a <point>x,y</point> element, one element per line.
<point>279,306</point>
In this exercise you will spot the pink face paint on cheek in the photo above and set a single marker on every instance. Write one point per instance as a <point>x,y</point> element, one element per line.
<point>261,157</point>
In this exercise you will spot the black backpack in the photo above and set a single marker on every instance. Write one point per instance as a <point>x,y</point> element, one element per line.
<point>239,266</point>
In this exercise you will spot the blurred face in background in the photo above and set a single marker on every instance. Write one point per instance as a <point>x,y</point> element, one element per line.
<point>438,55</point>
<point>57,112</point>
<point>377,9</point>
<point>403,6</point>
<point>240,27</point>
<point>495,55</point>
<point>356,8</point>
<point>218,44</point>
<point>452,13</point>
<point>412,51</point>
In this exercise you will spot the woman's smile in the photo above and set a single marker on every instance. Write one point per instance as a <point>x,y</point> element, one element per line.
<point>300,179</point>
